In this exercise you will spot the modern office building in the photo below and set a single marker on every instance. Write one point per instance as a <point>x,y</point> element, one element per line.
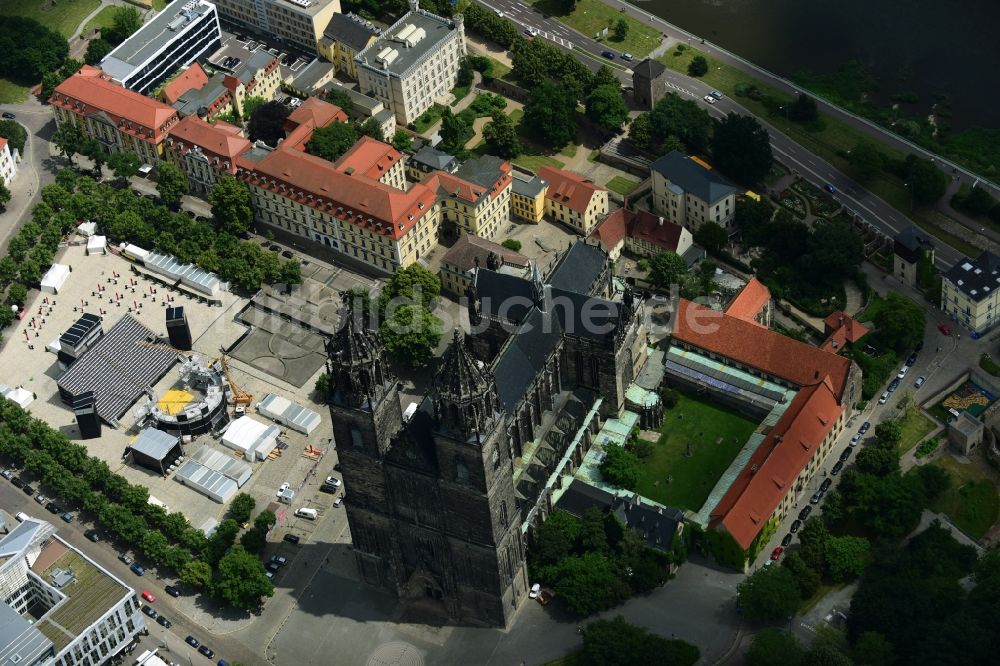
<point>60,608</point>
<point>970,292</point>
<point>174,39</point>
<point>120,119</point>
<point>299,23</point>
<point>689,194</point>
<point>413,63</point>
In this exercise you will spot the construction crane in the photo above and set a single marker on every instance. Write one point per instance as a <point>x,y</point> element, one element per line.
<point>240,397</point>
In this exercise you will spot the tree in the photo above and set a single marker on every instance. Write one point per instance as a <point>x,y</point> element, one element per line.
<point>455,132</point>
<point>607,108</point>
<point>30,49</point>
<point>605,76</point>
<point>825,654</point>
<point>742,148</point>
<point>96,50</point>
<point>589,583</point>
<point>332,141</point>
<point>291,273</point>
<point>620,467</point>
<point>154,546</point>
<point>466,74</point>
<point>803,109</point>
<point>813,538</point>
<point>93,149</point>
<point>15,134</point>
<point>926,181</point>
<point>267,123</point>
<point>415,284</point>
<point>554,540</point>
<point>125,22</point>
<point>666,269</point>
<point>978,201</point>
<point>501,136</point>
<point>4,195</point>
<point>698,66</point>
<point>411,334</point>
<point>551,115</point>
<point>339,98</point>
<point>620,30</point>
<point>171,183</point>
<point>68,139</point>
<point>769,594</point>
<point>251,104</point>
<point>241,507</point>
<point>935,480</point>
<point>323,385</point>
<point>241,581</point>
<point>866,161</point>
<point>900,323</point>
<point>807,578</point>
<point>230,200</point>
<point>640,131</point>
<point>888,434</point>
<point>712,237</point>
<point>512,244</point>
<point>254,540</point>
<point>680,118</point>
<point>847,557</point>
<point>265,520</point>
<point>196,573</point>
<point>774,647</point>
<point>617,643</point>
<point>872,649</point>
<point>877,460</point>
<point>124,164</point>
<point>402,140</point>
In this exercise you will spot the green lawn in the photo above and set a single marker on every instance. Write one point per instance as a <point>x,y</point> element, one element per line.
<point>104,19</point>
<point>569,150</point>
<point>715,434</point>
<point>535,162</point>
<point>12,93</point>
<point>63,15</point>
<point>915,427</point>
<point>622,185</point>
<point>428,118</point>
<point>972,501</point>
<point>460,93</point>
<point>591,16</point>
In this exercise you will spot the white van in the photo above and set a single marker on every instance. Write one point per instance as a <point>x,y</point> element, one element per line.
<point>311,514</point>
<point>21,516</point>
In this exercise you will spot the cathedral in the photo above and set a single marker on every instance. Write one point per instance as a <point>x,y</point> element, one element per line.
<point>442,501</point>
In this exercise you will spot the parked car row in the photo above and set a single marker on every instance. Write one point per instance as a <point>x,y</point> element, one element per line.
<point>51,507</point>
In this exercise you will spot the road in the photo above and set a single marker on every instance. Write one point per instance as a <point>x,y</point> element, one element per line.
<point>880,214</point>
<point>13,500</point>
<point>33,173</point>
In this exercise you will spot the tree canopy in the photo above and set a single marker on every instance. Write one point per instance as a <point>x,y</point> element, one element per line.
<point>606,107</point>
<point>240,580</point>
<point>267,123</point>
<point>551,115</point>
<point>332,141</point>
<point>231,210</point>
<point>666,269</point>
<point>770,593</point>
<point>681,118</point>
<point>620,467</point>
<point>774,647</point>
<point>171,183</point>
<point>501,136</point>
<point>741,148</point>
<point>926,181</point>
<point>866,161</point>
<point>30,49</point>
<point>615,642</point>
<point>900,323</point>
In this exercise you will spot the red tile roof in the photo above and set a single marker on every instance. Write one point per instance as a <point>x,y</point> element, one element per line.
<point>777,463</point>
<point>758,347</point>
<point>356,198</point>
<point>853,329</point>
<point>316,111</point>
<point>193,78</point>
<point>750,300</point>
<point>570,189</point>
<point>90,92</point>
<point>654,229</point>
<point>3,142</point>
<point>612,229</point>
<point>220,139</point>
<point>369,157</point>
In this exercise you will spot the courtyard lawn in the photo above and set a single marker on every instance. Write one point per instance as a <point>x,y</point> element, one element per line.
<point>915,426</point>
<point>715,434</point>
<point>104,19</point>
<point>591,16</point>
<point>12,93</point>
<point>63,16</point>
<point>535,162</point>
<point>972,501</point>
<point>622,185</point>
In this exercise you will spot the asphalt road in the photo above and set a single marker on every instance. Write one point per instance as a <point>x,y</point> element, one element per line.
<point>871,208</point>
<point>13,500</point>
<point>33,172</point>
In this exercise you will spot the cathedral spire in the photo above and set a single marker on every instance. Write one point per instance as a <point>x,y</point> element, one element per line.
<point>359,374</point>
<point>464,391</point>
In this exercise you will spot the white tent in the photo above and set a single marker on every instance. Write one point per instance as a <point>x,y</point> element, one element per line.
<point>21,396</point>
<point>87,229</point>
<point>254,439</point>
<point>54,278</point>
<point>97,245</point>
<point>134,252</point>
<point>286,412</point>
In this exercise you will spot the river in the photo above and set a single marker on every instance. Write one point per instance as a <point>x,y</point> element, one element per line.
<point>926,47</point>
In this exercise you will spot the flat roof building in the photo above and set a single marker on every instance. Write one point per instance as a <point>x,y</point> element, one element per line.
<point>172,40</point>
<point>298,22</point>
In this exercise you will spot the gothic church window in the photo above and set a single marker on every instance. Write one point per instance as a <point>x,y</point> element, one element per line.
<point>356,439</point>
<point>461,472</point>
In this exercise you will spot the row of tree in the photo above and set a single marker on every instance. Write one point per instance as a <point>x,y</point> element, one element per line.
<point>30,49</point>
<point>86,483</point>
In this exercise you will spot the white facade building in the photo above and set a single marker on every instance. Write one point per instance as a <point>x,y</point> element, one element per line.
<point>413,63</point>
<point>8,164</point>
<point>688,194</point>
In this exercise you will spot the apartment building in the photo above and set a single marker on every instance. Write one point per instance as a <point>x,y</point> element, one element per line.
<point>60,607</point>
<point>459,264</point>
<point>345,36</point>
<point>205,150</point>
<point>195,93</point>
<point>970,292</point>
<point>573,200</point>
<point>8,164</point>
<point>475,199</point>
<point>120,119</point>
<point>413,63</point>
<point>527,197</point>
<point>172,40</point>
<point>689,194</point>
<point>299,23</point>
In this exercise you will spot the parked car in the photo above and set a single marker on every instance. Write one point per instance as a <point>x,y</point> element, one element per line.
<point>787,540</point>
<point>709,99</point>
<point>339,500</point>
<point>41,499</point>
<point>864,427</point>
<point>826,484</point>
<point>332,481</point>
<point>902,372</point>
<point>192,641</point>
<point>920,381</point>
<point>627,57</point>
<point>944,329</point>
<point>883,398</point>
<point>846,454</point>
<point>279,560</point>
<point>274,248</point>
<point>336,467</point>
<point>287,254</point>
<point>272,567</point>
<point>856,439</point>
<point>894,385</point>
<point>291,538</point>
<point>17,482</point>
<point>28,490</point>
<point>125,558</point>
<point>911,359</point>
<point>164,622</point>
<point>67,517</point>
<point>148,596</point>
<point>839,465</point>
<point>817,497</point>
<point>138,569</point>
<point>7,474</point>
<point>207,651</point>
<point>776,553</point>
<point>716,94</point>
<point>610,55</point>
<point>52,507</point>
<point>172,591</point>
<point>92,535</point>
<point>149,611</point>
<point>535,589</point>
<point>804,513</point>
<point>796,524</point>
<point>8,115</point>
